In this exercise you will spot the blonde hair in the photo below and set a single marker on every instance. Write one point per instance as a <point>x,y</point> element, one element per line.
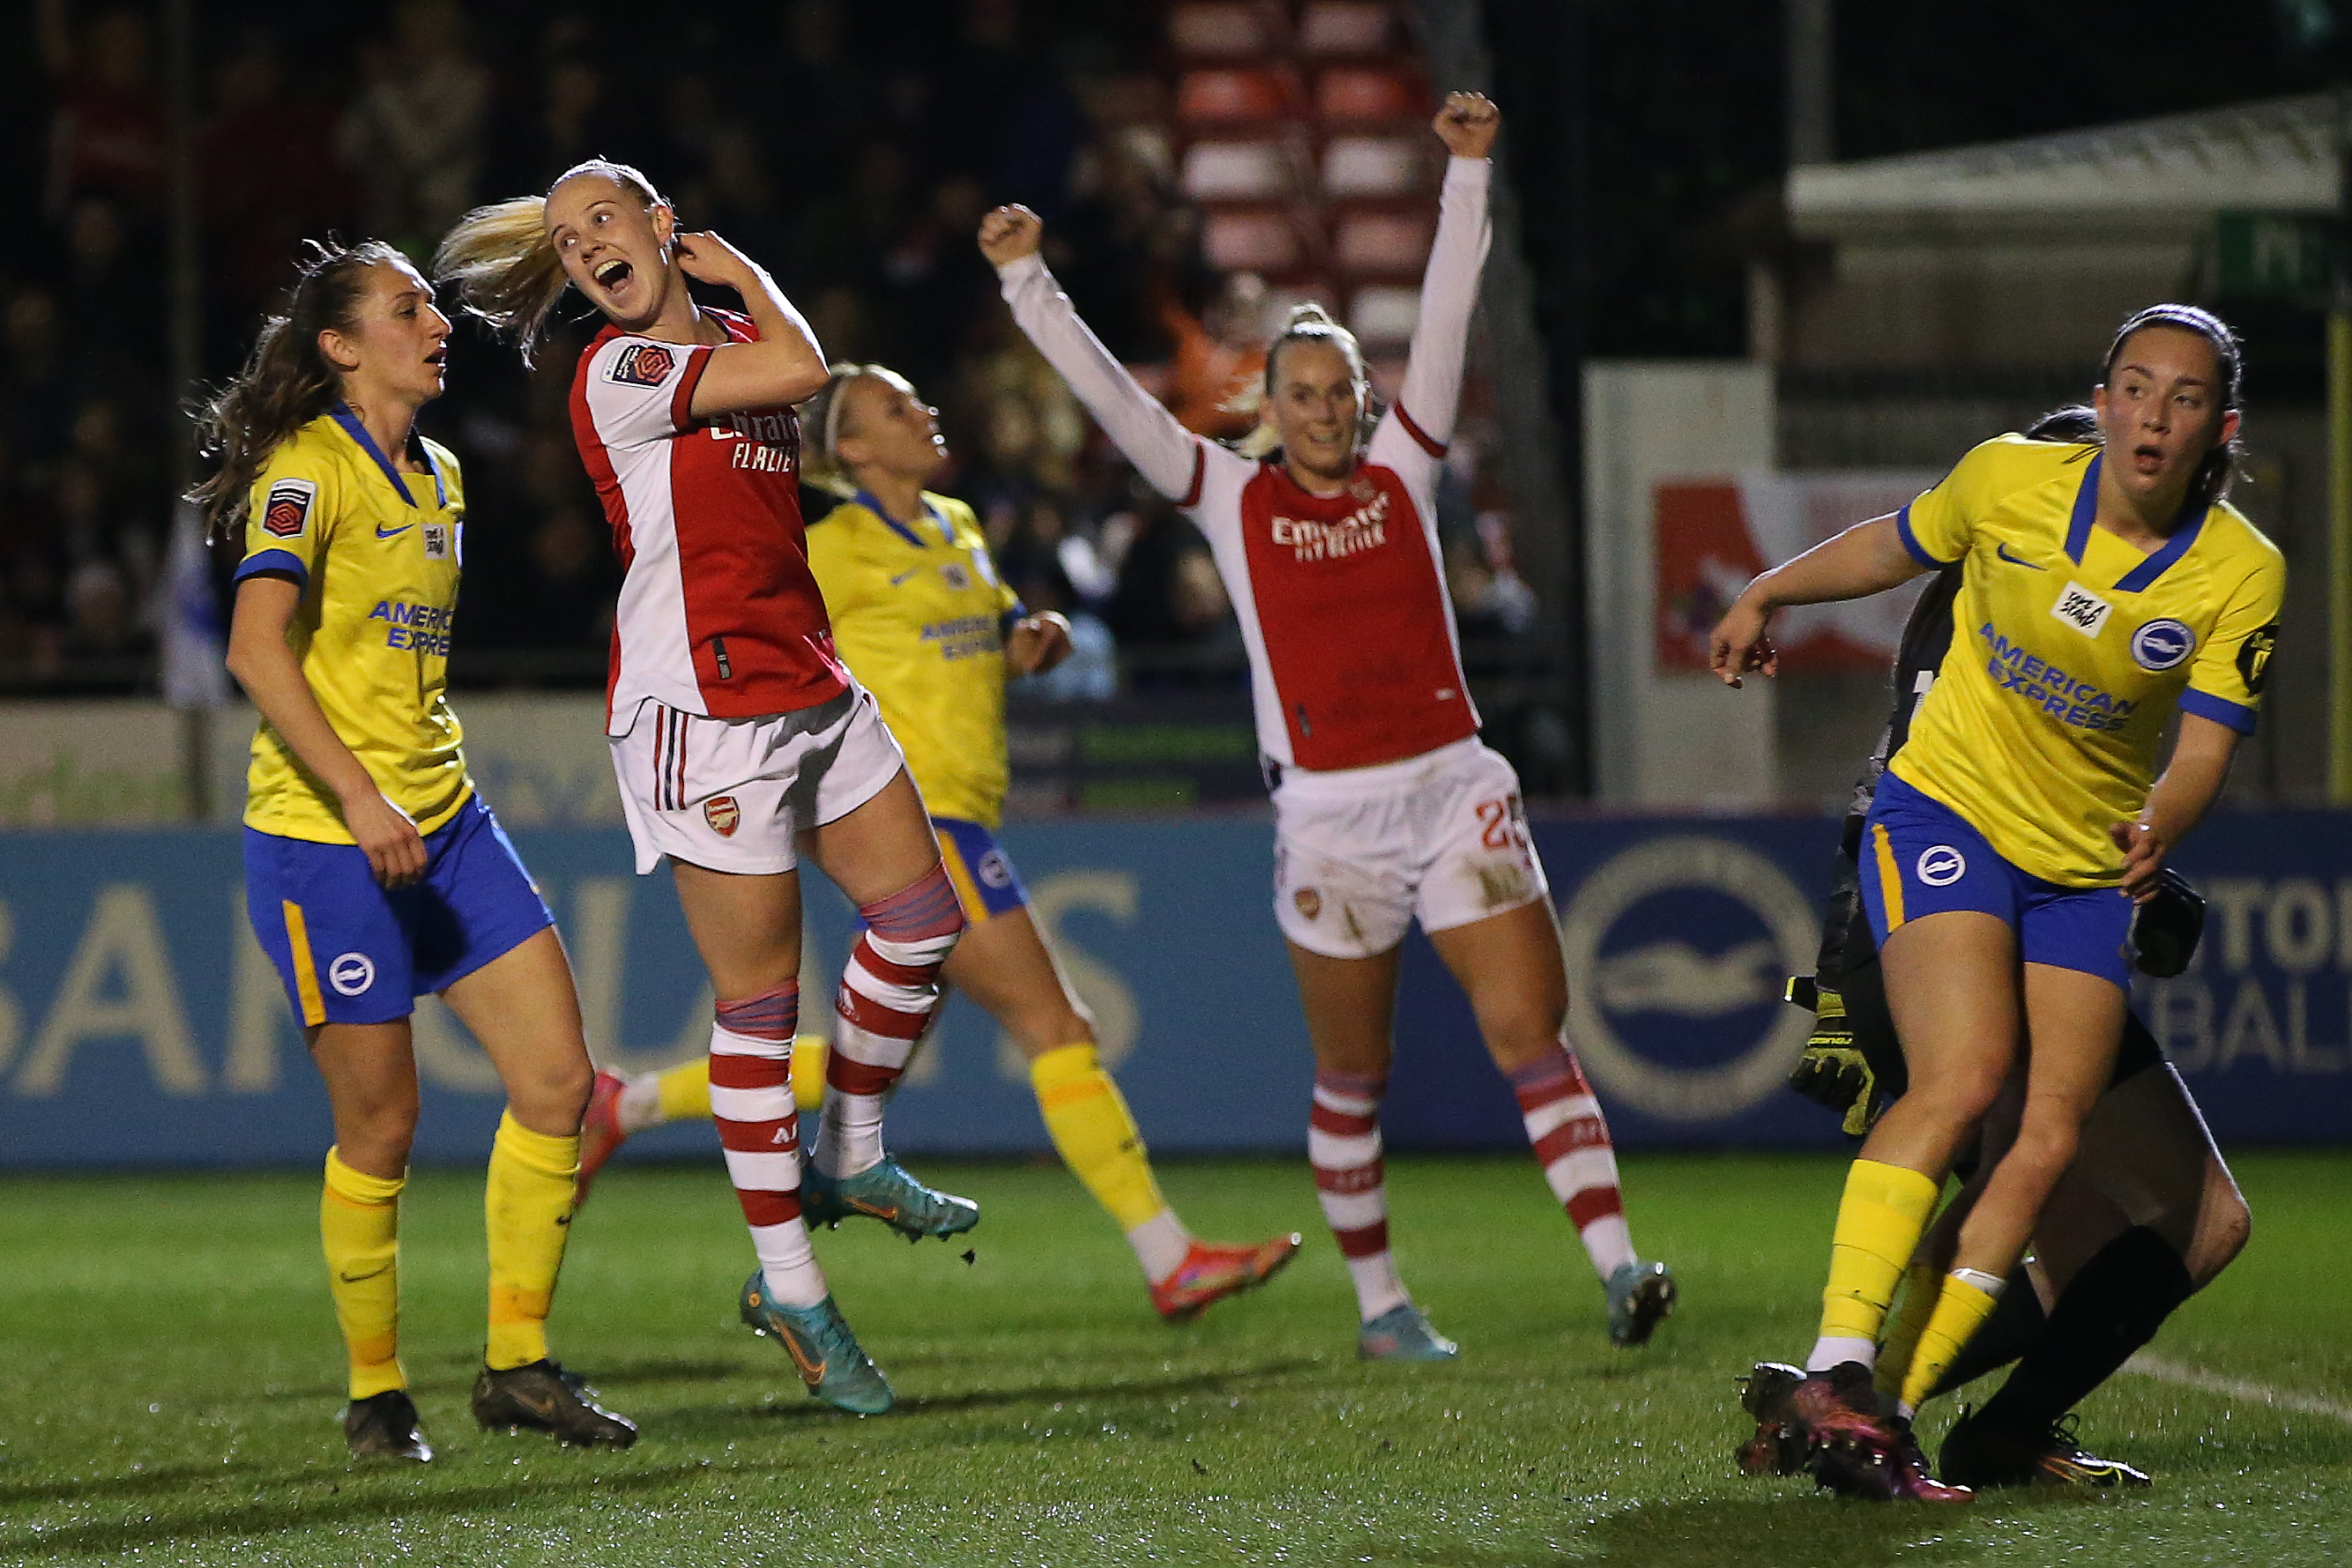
<point>1309,323</point>
<point>821,426</point>
<point>504,269</point>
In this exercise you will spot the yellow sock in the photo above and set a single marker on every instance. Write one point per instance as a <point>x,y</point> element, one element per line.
<point>686,1091</point>
<point>1922,1282</point>
<point>1096,1134</point>
<point>526,1206</point>
<point>1960,1310</point>
<point>359,1221</point>
<point>1879,1223</point>
<point>809,1051</point>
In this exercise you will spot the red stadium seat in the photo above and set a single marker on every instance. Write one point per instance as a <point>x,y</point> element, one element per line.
<point>1239,172</point>
<point>1383,242</point>
<point>1374,166</point>
<point>1384,314</point>
<point>1357,94</point>
<point>1332,27</point>
<point>1223,29</point>
<point>1228,95</point>
<point>1253,239</point>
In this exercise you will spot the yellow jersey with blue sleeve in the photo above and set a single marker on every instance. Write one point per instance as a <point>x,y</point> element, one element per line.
<point>919,616</point>
<point>2071,649</point>
<point>376,552</point>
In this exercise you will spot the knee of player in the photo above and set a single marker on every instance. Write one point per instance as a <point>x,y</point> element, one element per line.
<point>1956,1097</point>
<point>556,1089</point>
<point>2043,1148</point>
<point>2224,1226</point>
<point>1519,1030</point>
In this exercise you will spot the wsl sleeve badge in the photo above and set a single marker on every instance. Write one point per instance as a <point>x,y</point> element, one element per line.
<point>286,511</point>
<point>642,365</point>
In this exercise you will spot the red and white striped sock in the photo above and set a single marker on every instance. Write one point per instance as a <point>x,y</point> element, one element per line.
<point>752,1102</point>
<point>1572,1143</point>
<point>889,991</point>
<point>1343,1144</point>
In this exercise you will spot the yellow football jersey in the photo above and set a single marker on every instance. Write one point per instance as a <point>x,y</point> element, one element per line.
<point>919,617</point>
<point>2071,650</point>
<point>377,553</point>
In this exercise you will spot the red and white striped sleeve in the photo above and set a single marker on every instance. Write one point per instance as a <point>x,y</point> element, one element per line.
<point>640,390</point>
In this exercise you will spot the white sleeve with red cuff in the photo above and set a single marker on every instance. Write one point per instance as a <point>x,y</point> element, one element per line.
<point>1171,458</point>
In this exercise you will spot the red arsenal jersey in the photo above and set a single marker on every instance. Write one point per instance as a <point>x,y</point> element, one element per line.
<point>719,614</point>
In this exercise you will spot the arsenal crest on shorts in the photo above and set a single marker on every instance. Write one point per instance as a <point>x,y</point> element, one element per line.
<point>1310,901</point>
<point>723,815</point>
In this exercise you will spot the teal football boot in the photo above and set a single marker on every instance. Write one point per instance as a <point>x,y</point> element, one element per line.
<point>822,1347</point>
<point>1402,1333</point>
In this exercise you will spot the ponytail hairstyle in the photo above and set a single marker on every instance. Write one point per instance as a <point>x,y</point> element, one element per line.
<point>1309,323</point>
<point>287,382</point>
<point>821,419</point>
<point>2211,480</point>
<point>503,265</point>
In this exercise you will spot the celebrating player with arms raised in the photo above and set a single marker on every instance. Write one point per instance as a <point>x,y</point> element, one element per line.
<point>374,872</point>
<point>928,625</point>
<point>1386,805</point>
<point>735,730</point>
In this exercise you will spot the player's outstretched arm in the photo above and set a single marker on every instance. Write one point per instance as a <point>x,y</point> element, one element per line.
<point>265,667</point>
<point>1167,454</point>
<point>784,367</point>
<point>1867,558</point>
<point>1449,284</point>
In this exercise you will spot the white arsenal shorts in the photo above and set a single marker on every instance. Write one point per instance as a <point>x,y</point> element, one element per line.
<point>1359,853</point>
<point>730,794</point>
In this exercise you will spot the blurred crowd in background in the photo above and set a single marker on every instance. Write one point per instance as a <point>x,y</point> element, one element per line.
<point>851,149</point>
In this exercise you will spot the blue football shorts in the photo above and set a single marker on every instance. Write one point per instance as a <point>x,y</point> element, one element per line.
<point>350,950</point>
<point>1920,858</point>
<point>979,870</point>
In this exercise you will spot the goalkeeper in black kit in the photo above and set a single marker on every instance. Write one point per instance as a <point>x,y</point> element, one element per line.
<point>2145,1218</point>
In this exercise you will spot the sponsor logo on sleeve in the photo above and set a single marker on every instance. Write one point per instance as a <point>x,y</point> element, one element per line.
<point>723,815</point>
<point>642,365</point>
<point>286,511</point>
<point>2161,645</point>
<point>2254,658</point>
<point>2082,610</point>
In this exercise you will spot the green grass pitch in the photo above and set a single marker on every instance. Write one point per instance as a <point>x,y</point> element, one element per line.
<point>169,1382</point>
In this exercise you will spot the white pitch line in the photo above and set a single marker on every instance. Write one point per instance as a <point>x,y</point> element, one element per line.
<point>2206,1382</point>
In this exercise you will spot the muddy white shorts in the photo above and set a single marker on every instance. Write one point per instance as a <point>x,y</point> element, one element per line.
<point>1359,853</point>
<point>729,794</point>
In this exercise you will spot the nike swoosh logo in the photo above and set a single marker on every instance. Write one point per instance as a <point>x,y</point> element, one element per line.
<point>904,576</point>
<point>383,533</point>
<point>2002,550</point>
<point>355,1278</point>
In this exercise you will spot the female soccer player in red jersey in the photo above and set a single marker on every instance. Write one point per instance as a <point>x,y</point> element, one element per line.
<point>1386,805</point>
<point>933,631</point>
<point>737,733</point>
<point>374,872</point>
<point>2107,587</point>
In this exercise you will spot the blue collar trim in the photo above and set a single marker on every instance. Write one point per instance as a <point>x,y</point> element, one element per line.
<point>358,431</point>
<point>2086,509</point>
<point>2139,579</point>
<point>866,500</point>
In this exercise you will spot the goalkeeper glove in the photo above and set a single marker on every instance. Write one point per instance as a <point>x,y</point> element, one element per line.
<point>1832,1072</point>
<point>2164,929</point>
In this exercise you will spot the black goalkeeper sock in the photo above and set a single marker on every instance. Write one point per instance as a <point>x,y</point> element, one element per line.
<point>2015,1324</point>
<point>2110,1309</point>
